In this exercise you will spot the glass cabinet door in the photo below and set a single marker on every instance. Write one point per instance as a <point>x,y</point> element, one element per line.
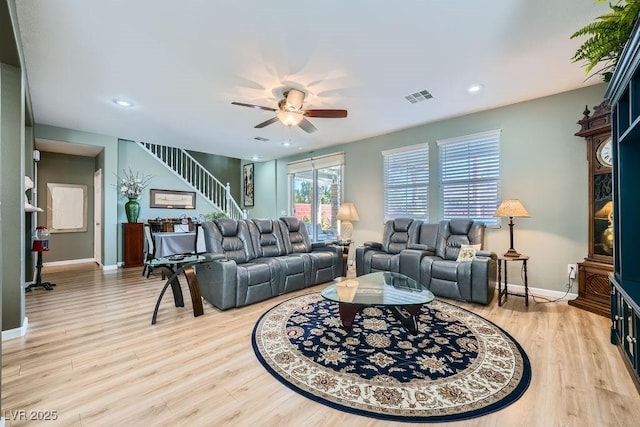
<point>603,215</point>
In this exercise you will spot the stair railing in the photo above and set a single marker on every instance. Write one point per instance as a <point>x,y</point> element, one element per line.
<point>185,167</point>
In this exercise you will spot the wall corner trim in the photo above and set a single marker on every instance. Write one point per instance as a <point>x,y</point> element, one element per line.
<point>16,332</point>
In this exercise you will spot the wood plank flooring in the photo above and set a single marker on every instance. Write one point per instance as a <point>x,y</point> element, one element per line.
<point>92,355</point>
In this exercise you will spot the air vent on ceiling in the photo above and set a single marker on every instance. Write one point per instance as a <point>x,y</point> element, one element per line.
<point>423,95</point>
<point>261,139</point>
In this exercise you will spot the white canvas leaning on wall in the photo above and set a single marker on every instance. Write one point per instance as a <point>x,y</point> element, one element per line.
<point>66,208</point>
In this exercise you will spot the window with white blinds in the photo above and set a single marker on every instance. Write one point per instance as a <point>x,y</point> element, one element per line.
<point>406,182</point>
<point>470,176</point>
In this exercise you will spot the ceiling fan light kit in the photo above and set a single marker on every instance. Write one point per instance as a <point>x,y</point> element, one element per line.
<point>290,112</point>
<point>289,118</point>
<point>294,99</point>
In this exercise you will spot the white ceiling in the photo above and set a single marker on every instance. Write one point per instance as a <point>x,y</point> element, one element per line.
<point>183,62</point>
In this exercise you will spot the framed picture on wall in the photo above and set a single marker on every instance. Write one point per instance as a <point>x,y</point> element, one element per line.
<point>248,184</point>
<point>173,199</point>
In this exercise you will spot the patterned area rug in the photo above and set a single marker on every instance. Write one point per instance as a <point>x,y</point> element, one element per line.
<point>458,366</point>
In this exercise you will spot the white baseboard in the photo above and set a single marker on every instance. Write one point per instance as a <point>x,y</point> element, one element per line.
<point>82,261</point>
<point>68,262</point>
<point>17,332</point>
<point>546,293</point>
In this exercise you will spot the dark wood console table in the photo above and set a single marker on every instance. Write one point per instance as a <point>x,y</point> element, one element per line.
<point>133,244</point>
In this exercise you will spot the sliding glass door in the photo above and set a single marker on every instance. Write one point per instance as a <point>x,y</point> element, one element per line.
<point>316,195</point>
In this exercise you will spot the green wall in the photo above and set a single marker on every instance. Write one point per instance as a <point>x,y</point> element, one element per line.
<point>108,162</point>
<point>132,155</point>
<point>543,164</point>
<point>266,190</point>
<point>225,169</point>
<point>66,169</point>
<point>12,195</point>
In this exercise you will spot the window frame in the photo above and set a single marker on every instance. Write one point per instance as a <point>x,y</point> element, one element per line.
<point>478,180</point>
<point>414,159</point>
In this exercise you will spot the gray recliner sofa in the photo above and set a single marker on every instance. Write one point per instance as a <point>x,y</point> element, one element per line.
<point>262,258</point>
<point>428,254</point>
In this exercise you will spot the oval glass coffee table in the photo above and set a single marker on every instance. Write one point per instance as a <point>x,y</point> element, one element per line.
<point>401,294</point>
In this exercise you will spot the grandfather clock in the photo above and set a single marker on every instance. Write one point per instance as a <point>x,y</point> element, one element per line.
<point>594,288</point>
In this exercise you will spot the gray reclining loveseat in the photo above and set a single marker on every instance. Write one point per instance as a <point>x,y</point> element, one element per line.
<point>428,253</point>
<point>263,258</point>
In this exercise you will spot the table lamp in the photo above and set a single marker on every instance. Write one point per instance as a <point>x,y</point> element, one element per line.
<point>511,208</point>
<point>346,214</point>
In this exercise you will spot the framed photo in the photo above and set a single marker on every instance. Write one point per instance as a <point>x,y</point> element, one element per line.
<point>248,184</point>
<point>173,199</point>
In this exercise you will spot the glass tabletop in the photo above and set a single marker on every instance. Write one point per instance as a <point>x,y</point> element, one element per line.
<point>381,288</point>
<point>177,259</point>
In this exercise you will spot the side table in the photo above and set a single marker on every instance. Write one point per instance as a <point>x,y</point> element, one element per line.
<point>505,292</point>
<point>345,245</point>
<point>174,266</point>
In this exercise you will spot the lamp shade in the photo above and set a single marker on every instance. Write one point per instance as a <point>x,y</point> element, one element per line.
<point>511,208</point>
<point>347,212</point>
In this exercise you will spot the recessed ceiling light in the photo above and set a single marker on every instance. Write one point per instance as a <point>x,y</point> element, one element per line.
<point>474,88</point>
<point>255,158</point>
<point>286,143</point>
<point>123,102</point>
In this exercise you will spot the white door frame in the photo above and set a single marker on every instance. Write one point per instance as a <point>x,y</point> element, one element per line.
<point>97,216</point>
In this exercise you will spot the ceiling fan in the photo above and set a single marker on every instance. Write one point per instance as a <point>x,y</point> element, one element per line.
<point>290,112</point>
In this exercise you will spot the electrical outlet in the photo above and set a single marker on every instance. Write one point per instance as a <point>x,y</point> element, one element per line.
<point>572,270</point>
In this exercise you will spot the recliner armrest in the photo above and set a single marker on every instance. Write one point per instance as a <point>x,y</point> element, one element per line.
<point>373,245</point>
<point>213,257</point>
<point>420,247</point>
<point>487,254</point>
<point>320,245</point>
<point>218,282</point>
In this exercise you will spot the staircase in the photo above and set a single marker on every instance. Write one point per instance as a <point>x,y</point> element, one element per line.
<point>190,171</point>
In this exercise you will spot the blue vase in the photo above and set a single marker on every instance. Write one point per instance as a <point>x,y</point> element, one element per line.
<point>132,209</point>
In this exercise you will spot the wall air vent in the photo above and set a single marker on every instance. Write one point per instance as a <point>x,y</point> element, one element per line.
<point>261,139</point>
<point>414,98</point>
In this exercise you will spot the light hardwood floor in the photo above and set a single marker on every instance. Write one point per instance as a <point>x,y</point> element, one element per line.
<point>92,355</point>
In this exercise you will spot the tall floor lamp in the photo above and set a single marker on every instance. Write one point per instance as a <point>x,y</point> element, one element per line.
<point>346,214</point>
<point>511,208</point>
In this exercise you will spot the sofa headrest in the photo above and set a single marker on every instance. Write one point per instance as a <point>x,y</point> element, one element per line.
<point>402,224</point>
<point>292,223</point>
<point>228,227</point>
<point>264,226</point>
<point>460,226</point>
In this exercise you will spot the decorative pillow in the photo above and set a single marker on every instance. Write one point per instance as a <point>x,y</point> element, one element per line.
<point>467,252</point>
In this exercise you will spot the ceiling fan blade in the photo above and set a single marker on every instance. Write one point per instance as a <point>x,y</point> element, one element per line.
<point>242,104</point>
<point>329,114</point>
<point>306,126</point>
<point>266,123</point>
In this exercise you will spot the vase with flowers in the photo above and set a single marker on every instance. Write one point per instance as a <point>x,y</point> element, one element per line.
<point>131,185</point>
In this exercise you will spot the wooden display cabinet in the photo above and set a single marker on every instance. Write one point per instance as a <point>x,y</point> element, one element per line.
<point>133,244</point>
<point>593,273</point>
<point>624,95</point>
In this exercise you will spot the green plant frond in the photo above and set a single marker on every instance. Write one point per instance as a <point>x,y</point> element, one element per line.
<point>597,47</point>
<point>607,36</point>
<point>600,27</point>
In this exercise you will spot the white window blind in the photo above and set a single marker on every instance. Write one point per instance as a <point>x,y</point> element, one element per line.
<point>470,176</point>
<point>329,160</point>
<point>406,182</point>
